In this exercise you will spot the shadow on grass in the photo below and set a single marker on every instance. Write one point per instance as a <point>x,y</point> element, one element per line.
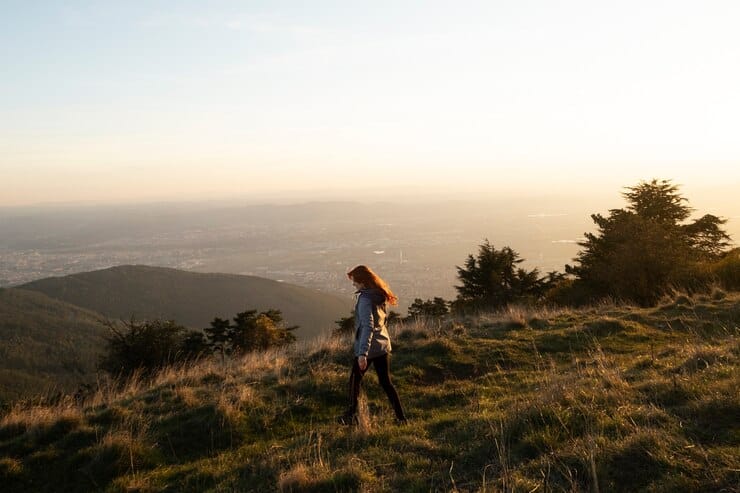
<point>637,464</point>
<point>195,433</point>
<point>712,422</point>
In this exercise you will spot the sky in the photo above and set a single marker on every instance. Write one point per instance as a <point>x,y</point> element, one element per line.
<point>104,101</point>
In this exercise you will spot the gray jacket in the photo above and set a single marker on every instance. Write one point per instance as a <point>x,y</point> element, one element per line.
<point>371,334</point>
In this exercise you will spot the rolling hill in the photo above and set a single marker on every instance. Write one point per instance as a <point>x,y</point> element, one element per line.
<point>606,398</point>
<point>45,344</point>
<point>192,299</point>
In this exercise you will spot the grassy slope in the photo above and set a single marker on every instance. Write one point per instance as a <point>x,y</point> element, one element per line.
<point>45,343</point>
<point>191,298</point>
<point>627,399</point>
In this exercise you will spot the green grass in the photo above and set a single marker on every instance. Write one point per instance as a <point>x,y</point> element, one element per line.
<point>609,398</point>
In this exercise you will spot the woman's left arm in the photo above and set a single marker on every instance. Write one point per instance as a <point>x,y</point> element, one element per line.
<point>365,316</point>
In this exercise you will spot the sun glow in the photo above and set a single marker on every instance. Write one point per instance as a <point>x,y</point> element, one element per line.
<point>204,102</point>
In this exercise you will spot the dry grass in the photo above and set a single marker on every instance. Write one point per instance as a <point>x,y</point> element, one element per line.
<point>233,401</point>
<point>188,395</point>
<point>36,419</point>
<point>10,466</point>
<point>297,478</point>
<point>302,477</point>
<point>573,402</point>
<point>520,315</point>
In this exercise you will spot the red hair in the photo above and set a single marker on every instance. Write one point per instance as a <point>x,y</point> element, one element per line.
<point>365,276</point>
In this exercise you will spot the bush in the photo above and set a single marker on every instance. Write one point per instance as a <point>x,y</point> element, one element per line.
<point>568,292</point>
<point>727,270</point>
<point>345,325</point>
<point>250,331</point>
<point>143,346</point>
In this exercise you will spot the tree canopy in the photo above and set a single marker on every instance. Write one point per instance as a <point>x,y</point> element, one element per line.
<point>252,331</point>
<point>150,345</point>
<point>492,279</point>
<point>640,252</point>
<point>434,308</point>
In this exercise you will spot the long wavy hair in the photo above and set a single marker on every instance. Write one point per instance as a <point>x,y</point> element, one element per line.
<point>365,276</point>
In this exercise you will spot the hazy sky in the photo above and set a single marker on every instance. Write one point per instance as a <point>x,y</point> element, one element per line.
<point>150,100</point>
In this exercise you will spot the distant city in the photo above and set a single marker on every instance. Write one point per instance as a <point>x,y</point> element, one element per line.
<point>416,248</point>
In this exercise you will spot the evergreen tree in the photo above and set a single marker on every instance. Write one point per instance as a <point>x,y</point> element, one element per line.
<point>195,345</point>
<point>218,335</point>
<point>254,331</point>
<point>642,251</point>
<point>434,308</point>
<point>492,279</point>
<point>242,333</point>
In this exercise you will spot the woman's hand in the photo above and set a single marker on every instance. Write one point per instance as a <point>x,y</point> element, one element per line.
<point>362,362</point>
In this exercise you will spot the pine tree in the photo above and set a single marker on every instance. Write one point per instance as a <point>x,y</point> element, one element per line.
<point>218,335</point>
<point>642,251</point>
<point>492,279</point>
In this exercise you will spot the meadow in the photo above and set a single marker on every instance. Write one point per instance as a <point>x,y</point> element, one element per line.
<point>599,399</point>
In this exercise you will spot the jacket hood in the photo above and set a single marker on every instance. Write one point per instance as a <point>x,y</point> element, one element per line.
<point>376,295</point>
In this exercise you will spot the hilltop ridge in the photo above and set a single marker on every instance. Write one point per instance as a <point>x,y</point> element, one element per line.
<point>617,398</point>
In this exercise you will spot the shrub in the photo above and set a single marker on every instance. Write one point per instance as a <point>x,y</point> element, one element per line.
<point>569,292</point>
<point>727,270</point>
<point>345,325</point>
<point>143,346</point>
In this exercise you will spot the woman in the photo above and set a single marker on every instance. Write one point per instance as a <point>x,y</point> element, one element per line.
<point>372,341</point>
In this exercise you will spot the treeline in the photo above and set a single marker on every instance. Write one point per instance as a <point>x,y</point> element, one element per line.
<point>147,346</point>
<point>638,254</point>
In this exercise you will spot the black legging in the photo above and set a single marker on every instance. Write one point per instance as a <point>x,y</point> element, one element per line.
<point>382,368</point>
